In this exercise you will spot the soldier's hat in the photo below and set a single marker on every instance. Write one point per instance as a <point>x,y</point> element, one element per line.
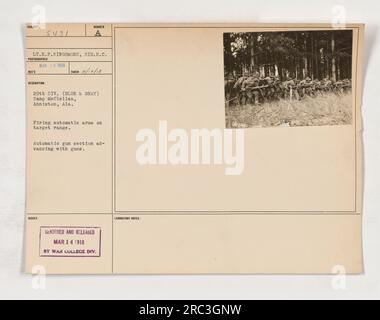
<point>230,76</point>
<point>308,79</point>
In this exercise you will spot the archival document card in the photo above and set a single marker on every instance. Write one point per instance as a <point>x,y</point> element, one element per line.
<point>194,148</point>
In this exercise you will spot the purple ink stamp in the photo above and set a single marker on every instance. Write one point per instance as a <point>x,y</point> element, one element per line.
<point>84,242</point>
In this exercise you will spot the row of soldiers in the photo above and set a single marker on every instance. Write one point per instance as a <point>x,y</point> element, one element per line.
<point>253,89</point>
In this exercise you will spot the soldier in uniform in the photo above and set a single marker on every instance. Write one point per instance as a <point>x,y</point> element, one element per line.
<point>326,84</point>
<point>346,84</point>
<point>315,84</point>
<point>338,86</point>
<point>229,91</point>
<point>270,90</point>
<point>238,88</point>
<point>249,86</point>
<point>290,90</point>
<point>277,87</point>
<point>305,86</point>
<point>342,86</point>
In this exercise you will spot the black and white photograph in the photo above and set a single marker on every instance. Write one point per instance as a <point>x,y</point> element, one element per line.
<point>293,78</point>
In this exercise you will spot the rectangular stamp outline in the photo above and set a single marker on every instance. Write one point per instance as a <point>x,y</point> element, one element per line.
<point>67,256</point>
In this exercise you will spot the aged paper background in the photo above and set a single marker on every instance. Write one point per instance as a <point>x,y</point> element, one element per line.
<point>296,209</point>
<point>15,284</point>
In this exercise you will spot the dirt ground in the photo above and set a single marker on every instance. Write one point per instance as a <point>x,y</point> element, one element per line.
<point>326,109</point>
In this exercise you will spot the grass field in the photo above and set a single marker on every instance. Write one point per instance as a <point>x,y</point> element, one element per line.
<point>326,109</point>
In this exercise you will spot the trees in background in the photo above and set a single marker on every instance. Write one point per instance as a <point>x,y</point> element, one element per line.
<point>298,54</point>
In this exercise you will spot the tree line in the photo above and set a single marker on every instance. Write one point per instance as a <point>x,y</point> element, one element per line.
<point>296,54</point>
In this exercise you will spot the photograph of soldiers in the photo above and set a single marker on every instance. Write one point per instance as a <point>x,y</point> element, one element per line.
<point>296,78</point>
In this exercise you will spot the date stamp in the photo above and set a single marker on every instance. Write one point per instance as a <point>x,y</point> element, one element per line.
<point>79,242</point>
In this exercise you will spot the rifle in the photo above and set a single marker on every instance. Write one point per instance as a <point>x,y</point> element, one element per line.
<point>255,88</point>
